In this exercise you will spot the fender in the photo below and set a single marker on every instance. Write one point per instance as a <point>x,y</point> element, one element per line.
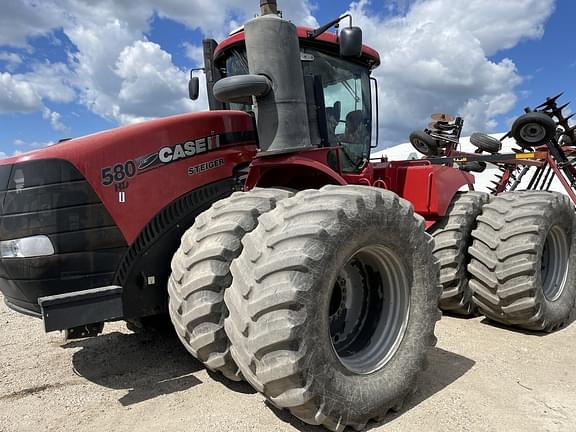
<point>308,169</point>
<point>430,188</point>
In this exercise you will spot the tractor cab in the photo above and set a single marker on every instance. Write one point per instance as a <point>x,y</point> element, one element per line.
<point>311,94</point>
<point>337,89</point>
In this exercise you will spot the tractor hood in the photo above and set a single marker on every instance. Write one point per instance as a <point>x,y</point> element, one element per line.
<point>100,148</point>
<point>122,165</point>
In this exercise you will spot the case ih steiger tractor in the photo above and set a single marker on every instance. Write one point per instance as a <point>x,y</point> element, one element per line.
<point>318,280</point>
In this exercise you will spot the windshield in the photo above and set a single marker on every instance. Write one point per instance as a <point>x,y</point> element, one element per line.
<point>346,88</point>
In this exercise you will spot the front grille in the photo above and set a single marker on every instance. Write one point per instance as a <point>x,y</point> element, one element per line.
<point>50,197</point>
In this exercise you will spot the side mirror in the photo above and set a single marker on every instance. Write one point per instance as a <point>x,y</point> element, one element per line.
<point>351,42</point>
<point>194,88</point>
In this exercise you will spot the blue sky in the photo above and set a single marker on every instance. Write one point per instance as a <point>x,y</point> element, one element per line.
<point>73,67</point>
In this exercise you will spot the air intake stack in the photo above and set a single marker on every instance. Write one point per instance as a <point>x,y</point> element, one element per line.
<point>273,51</point>
<point>276,81</point>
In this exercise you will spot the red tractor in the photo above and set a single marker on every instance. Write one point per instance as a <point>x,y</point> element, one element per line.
<point>317,281</point>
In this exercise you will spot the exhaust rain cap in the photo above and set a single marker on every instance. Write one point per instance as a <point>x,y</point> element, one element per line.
<point>268,7</point>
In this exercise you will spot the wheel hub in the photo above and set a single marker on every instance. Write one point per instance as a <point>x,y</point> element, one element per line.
<point>420,145</point>
<point>533,133</point>
<point>347,315</point>
<point>369,309</point>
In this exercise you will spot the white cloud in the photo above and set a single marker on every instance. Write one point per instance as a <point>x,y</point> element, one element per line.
<point>17,95</point>
<point>436,58</point>
<point>194,53</point>
<point>55,120</point>
<point>150,83</point>
<point>496,25</point>
<point>25,93</point>
<point>125,77</point>
<point>116,71</point>
<point>51,81</point>
<point>22,19</point>
<point>398,7</point>
<point>12,60</point>
<point>216,18</point>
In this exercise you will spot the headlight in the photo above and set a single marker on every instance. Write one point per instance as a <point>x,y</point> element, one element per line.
<point>27,247</point>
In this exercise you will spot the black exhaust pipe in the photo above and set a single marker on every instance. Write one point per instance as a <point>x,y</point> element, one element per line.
<point>268,7</point>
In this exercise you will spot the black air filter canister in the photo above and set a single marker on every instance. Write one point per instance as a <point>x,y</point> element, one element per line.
<point>274,51</point>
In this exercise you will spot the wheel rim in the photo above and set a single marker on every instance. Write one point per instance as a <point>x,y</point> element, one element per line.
<point>369,309</point>
<point>533,133</point>
<point>421,146</point>
<point>555,262</point>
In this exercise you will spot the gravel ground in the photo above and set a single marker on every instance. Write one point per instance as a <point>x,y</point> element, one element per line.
<point>481,378</point>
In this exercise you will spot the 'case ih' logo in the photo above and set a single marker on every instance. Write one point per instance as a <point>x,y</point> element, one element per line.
<point>120,172</point>
<point>178,152</point>
<point>188,149</point>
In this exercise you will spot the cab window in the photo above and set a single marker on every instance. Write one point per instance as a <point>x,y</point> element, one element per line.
<point>346,88</point>
<point>237,64</point>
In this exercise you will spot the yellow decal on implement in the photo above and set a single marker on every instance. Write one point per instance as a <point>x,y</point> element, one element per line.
<point>537,155</point>
<point>525,155</point>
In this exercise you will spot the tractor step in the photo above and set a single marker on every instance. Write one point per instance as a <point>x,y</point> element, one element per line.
<point>81,308</point>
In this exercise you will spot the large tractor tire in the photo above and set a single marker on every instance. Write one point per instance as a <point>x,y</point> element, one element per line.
<point>524,260</point>
<point>333,305</point>
<point>201,274</point>
<point>452,238</point>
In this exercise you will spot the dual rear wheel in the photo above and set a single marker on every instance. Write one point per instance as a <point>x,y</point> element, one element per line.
<point>328,292</point>
<point>523,260</point>
<point>201,274</point>
<point>326,300</point>
<point>511,259</point>
<point>452,237</point>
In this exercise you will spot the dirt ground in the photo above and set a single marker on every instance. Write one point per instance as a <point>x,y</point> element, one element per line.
<point>481,378</point>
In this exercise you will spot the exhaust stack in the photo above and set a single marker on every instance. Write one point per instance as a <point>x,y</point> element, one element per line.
<point>268,7</point>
